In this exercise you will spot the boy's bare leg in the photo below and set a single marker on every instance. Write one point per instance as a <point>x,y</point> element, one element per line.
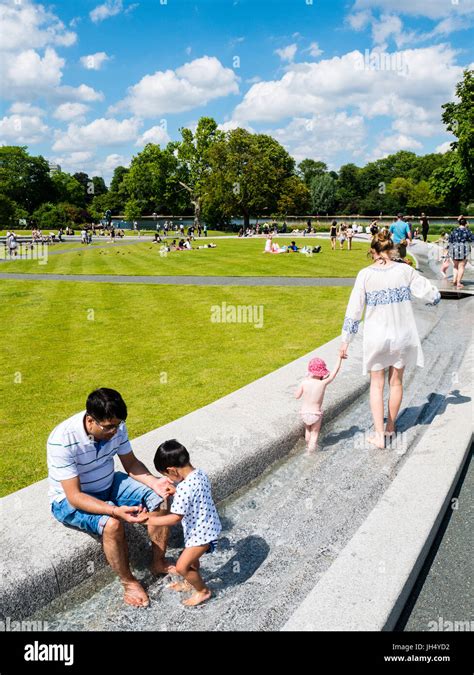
<point>186,567</point>
<point>159,541</point>
<point>116,552</point>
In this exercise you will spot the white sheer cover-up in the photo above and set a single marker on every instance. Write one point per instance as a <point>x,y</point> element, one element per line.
<point>390,336</point>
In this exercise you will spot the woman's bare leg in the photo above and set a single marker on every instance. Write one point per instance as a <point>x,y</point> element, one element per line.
<point>395,380</point>
<point>461,268</point>
<point>455,271</point>
<point>377,381</point>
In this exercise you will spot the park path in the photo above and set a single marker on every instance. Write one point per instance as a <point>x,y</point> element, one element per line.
<point>185,280</point>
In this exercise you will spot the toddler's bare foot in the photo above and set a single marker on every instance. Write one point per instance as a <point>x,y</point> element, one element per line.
<point>197,598</point>
<point>378,440</point>
<point>163,567</point>
<point>180,586</point>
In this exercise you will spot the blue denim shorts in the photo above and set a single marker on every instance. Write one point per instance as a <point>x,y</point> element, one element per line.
<point>124,491</point>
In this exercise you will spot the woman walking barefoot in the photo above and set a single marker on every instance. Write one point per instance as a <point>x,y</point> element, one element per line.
<point>385,290</point>
<point>460,241</point>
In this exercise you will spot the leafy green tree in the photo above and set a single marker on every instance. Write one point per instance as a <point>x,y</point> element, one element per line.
<point>422,198</point>
<point>309,168</point>
<point>194,159</point>
<point>24,179</point>
<point>152,179</point>
<point>133,210</point>
<point>348,188</point>
<point>448,182</point>
<point>100,188</point>
<point>68,189</point>
<point>248,175</point>
<point>50,216</point>
<point>119,174</point>
<point>323,194</point>
<point>8,210</point>
<point>402,190</point>
<point>295,197</point>
<point>459,120</point>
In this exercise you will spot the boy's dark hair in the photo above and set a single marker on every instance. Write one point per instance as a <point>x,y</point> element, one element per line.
<point>171,454</point>
<point>105,404</point>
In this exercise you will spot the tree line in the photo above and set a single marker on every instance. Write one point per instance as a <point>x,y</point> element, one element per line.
<point>216,176</point>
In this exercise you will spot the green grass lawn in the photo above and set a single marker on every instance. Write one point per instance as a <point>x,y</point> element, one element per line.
<point>232,257</point>
<point>156,345</point>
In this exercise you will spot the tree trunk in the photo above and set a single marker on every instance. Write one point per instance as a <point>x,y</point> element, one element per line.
<point>246,219</point>
<point>197,211</point>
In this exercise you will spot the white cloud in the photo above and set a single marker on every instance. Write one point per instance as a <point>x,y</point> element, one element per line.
<point>157,135</point>
<point>76,161</point>
<point>433,9</point>
<point>359,20</point>
<point>253,80</point>
<point>81,93</point>
<point>94,61</point>
<point>105,11</point>
<point>100,132</point>
<point>287,53</point>
<point>387,26</point>
<point>28,74</point>
<point>70,111</point>
<point>314,50</point>
<point>25,75</point>
<point>86,161</point>
<point>230,125</point>
<point>27,24</point>
<point>26,109</point>
<point>22,129</point>
<point>107,166</point>
<point>322,137</point>
<point>188,50</point>
<point>444,147</point>
<point>392,144</point>
<point>173,91</point>
<point>427,80</point>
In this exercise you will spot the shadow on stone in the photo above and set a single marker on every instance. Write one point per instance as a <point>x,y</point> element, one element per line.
<point>425,414</point>
<point>333,439</point>
<point>250,553</point>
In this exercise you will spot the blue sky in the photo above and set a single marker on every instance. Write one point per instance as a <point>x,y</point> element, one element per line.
<point>87,83</point>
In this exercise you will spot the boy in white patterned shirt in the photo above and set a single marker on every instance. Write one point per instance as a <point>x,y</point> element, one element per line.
<point>193,506</point>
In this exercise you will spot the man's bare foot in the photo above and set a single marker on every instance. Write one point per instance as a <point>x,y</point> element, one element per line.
<point>197,598</point>
<point>135,594</point>
<point>378,440</point>
<point>180,586</point>
<point>163,567</point>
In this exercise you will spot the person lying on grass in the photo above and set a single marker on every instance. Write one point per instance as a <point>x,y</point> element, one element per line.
<point>192,506</point>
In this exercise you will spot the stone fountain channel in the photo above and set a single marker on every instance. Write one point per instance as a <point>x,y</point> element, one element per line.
<point>284,530</point>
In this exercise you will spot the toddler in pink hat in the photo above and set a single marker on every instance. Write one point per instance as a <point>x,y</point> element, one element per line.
<point>312,391</point>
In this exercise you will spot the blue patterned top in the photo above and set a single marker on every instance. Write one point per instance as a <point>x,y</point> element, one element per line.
<point>350,326</point>
<point>387,296</point>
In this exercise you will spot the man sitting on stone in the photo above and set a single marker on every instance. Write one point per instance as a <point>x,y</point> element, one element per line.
<point>87,493</point>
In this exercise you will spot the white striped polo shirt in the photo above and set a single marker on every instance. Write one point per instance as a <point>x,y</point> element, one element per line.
<point>72,452</point>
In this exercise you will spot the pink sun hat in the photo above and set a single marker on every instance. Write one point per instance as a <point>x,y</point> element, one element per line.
<point>317,368</point>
